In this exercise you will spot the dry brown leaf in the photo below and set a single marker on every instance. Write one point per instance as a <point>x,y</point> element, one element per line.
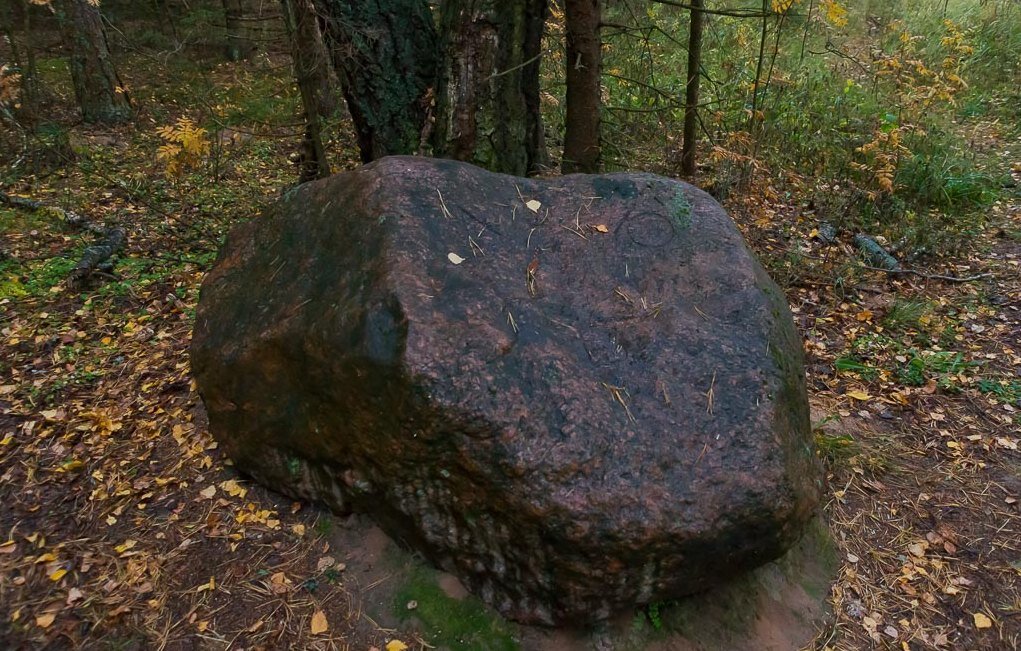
<point>319,623</point>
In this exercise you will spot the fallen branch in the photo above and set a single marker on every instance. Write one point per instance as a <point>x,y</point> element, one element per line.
<point>875,253</point>
<point>96,258</point>
<point>69,217</point>
<point>922,274</point>
<point>95,261</point>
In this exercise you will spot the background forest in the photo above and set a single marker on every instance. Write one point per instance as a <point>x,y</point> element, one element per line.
<point>870,152</point>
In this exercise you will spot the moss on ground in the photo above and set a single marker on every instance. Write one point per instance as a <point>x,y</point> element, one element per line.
<point>455,624</point>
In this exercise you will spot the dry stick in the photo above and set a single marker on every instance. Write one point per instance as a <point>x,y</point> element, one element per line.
<point>913,272</point>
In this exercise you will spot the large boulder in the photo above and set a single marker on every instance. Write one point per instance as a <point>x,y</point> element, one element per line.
<point>576,394</point>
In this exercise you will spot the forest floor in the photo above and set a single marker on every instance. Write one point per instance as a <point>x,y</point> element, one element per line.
<point>121,525</point>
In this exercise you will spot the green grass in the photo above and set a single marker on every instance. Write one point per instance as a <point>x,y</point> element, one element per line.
<point>36,278</point>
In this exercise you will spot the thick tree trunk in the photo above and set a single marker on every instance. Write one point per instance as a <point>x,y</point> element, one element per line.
<point>584,58</point>
<point>691,90</point>
<point>488,95</point>
<point>385,54</point>
<point>100,93</point>
<point>239,45</point>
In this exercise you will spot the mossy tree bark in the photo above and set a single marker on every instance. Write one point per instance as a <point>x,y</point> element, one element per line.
<point>385,54</point>
<point>99,90</point>
<point>488,91</point>
<point>584,61</point>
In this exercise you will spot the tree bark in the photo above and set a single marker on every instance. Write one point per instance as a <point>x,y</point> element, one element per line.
<point>316,83</point>
<point>385,54</point>
<point>584,58</point>
<point>97,86</point>
<point>239,46</point>
<point>30,94</point>
<point>312,68</point>
<point>488,93</point>
<point>691,89</point>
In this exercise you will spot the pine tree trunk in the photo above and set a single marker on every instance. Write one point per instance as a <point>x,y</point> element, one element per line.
<point>239,46</point>
<point>385,54</point>
<point>319,89</point>
<point>488,95</point>
<point>99,90</point>
<point>691,90</point>
<point>312,67</point>
<point>584,58</point>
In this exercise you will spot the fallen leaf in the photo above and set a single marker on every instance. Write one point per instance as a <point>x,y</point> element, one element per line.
<point>45,620</point>
<point>981,621</point>
<point>602,228</point>
<point>325,562</point>
<point>208,492</point>
<point>859,395</point>
<point>534,206</point>
<point>58,575</point>
<point>396,645</point>
<point>125,546</point>
<point>456,259</point>
<point>298,529</point>
<point>319,623</point>
<point>73,595</point>
<point>279,583</point>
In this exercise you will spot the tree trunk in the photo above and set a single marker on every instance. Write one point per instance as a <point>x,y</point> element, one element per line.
<point>27,109</point>
<point>488,93</point>
<point>691,90</point>
<point>312,68</point>
<point>584,57</point>
<point>166,19</point>
<point>99,90</point>
<point>315,82</point>
<point>239,46</point>
<point>385,54</point>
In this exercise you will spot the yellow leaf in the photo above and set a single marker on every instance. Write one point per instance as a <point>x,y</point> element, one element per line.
<point>58,575</point>
<point>602,228</point>
<point>319,623</point>
<point>232,488</point>
<point>125,546</point>
<point>981,621</point>
<point>45,620</point>
<point>298,529</point>
<point>859,395</point>
<point>396,645</point>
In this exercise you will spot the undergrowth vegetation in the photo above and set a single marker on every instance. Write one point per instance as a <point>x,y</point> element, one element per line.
<point>857,105</point>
